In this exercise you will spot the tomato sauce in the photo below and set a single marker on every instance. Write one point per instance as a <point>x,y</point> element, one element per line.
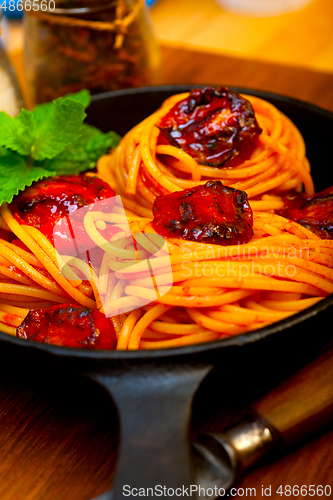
<point>211,213</point>
<point>313,212</point>
<point>70,326</point>
<point>216,126</point>
<point>50,205</point>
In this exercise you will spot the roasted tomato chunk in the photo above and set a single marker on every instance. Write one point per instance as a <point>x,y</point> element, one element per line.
<point>313,212</point>
<point>211,213</point>
<point>70,326</point>
<point>46,204</point>
<point>214,126</point>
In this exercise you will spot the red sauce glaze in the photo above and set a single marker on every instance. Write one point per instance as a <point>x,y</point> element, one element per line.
<point>211,213</point>
<point>214,126</point>
<point>46,204</point>
<point>70,326</point>
<point>313,212</point>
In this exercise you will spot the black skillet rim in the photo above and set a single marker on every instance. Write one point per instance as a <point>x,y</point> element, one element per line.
<point>236,341</point>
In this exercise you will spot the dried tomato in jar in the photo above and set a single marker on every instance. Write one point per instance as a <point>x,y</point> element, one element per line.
<point>98,45</point>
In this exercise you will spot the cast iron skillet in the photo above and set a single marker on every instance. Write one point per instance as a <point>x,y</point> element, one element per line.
<point>153,390</point>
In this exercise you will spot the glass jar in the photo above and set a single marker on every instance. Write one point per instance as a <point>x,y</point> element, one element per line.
<point>11,100</point>
<point>93,44</point>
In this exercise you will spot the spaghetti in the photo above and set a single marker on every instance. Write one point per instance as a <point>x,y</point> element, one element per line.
<point>217,291</point>
<point>160,292</point>
<point>142,167</point>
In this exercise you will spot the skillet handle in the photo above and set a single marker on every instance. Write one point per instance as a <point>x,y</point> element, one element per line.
<point>303,403</point>
<point>154,407</point>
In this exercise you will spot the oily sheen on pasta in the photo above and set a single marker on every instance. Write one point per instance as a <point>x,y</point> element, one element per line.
<point>142,166</point>
<point>231,259</point>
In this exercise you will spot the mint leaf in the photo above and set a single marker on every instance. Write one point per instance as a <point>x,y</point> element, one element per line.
<point>63,127</point>
<point>44,111</point>
<point>45,131</point>
<point>17,133</point>
<point>84,153</point>
<point>47,141</point>
<point>3,151</point>
<point>15,175</point>
<point>83,96</point>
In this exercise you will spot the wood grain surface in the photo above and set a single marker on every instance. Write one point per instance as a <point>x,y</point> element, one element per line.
<point>59,432</point>
<point>189,66</point>
<point>295,407</point>
<point>301,38</point>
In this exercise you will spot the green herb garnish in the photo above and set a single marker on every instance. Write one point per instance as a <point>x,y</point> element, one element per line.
<point>49,140</point>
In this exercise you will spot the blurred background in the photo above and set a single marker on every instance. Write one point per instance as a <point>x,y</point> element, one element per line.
<point>302,35</point>
<point>292,33</point>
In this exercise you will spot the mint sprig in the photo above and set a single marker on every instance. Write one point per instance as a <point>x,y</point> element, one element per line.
<point>52,139</point>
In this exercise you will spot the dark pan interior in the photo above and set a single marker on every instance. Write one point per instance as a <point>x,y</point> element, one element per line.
<point>120,111</point>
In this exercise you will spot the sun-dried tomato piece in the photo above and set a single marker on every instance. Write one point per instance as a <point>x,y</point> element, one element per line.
<point>313,212</point>
<point>211,213</point>
<point>70,326</point>
<point>214,126</point>
<point>47,203</point>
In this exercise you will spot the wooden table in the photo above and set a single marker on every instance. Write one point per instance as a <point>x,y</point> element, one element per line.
<point>279,39</point>
<point>58,436</point>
